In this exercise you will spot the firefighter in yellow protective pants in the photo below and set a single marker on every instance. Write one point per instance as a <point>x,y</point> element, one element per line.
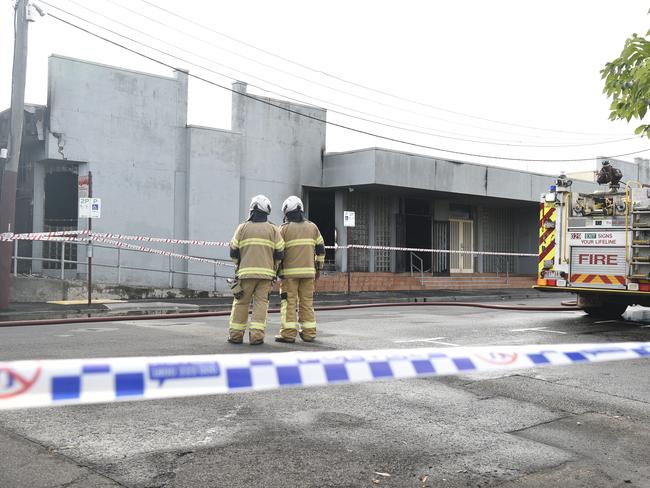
<point>257,249</point>
<point>303,260</point>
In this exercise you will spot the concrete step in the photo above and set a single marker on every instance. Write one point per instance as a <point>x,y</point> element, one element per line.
<point>463,282</point>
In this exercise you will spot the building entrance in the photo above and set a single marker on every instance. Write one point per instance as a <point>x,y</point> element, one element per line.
<point>461,239</point>
<point>60,214</point>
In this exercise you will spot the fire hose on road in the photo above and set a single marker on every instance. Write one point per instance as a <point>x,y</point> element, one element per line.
<point>566,307</point>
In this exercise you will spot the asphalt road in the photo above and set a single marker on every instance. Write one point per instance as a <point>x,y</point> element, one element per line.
<point>570,426</point>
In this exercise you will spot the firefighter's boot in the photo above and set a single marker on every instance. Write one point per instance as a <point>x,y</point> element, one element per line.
<point>286,335</point>
<point>255,337</point>
<point>308,334</point>
<point>235,336</point>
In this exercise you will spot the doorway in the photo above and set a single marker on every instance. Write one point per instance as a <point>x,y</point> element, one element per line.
<point>418,235</point>
<point>321,213</point>
<point>461,239</point>
<point>61,206</point>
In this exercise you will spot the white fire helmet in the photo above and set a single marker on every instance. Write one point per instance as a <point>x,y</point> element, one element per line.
<point>262,203</point>
<point>292,203</point>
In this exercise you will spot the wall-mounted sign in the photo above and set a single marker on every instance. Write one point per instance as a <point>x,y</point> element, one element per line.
<point>82,186</point>
<point>348,218</point>
<point>90,208</point>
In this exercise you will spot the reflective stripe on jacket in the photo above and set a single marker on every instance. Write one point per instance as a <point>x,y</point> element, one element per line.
<point>304,250</point>
<point>256,248</point>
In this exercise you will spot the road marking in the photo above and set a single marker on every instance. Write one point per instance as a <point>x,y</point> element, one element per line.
<point>84,301</point>
<point>645,326</point>
<point>432,340</point>
<point>605,321</point>
<point>95,329</point>
<point>538,329</point>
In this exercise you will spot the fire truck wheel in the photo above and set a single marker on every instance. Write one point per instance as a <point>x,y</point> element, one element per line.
<point>611,311</point>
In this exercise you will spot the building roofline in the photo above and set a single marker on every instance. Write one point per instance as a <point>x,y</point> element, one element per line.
<point>117,68</point>
<point>215,129</point>
<point>446,160</point>
<point>278,100</point>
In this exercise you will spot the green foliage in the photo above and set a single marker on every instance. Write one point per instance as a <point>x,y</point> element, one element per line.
<point>627,82</point>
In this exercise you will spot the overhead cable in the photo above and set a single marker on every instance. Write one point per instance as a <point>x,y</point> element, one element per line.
<point>333,124</point>
<point>425,131</point>
<point>365,87</point>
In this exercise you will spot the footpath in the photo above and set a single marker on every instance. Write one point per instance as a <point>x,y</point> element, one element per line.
<point>62,309</point>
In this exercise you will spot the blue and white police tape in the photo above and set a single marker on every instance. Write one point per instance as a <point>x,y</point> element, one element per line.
<point>25,384</point>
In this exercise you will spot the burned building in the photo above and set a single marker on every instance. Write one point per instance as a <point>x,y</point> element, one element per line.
<point>158,176</point>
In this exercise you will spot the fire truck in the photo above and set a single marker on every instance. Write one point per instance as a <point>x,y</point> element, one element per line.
<point>596,245</point>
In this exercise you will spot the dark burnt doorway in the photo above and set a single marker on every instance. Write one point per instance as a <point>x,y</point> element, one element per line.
<point>322,213</point>
<point>414,230</point>
<point>60,213</point>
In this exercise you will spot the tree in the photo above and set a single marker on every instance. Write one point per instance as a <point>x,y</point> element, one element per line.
<point>627,82</point>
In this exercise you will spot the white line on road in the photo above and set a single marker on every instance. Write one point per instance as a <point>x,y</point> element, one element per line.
<point>645,326</point>
<point>432,340</point>
<point>605,321</point>
<point>538,329</point>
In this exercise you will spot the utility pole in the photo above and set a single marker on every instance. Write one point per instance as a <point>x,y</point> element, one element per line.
<point>10,174</point>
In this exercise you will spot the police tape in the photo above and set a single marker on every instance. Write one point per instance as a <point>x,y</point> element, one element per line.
<point>45,236</point>
<point>68,235</point>
<point>442,251</point>
<point>83,238</point>
<point>133,247</point>
<point>26,384</point>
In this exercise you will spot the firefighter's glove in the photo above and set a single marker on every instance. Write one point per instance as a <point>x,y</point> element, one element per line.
<point>235,287</point>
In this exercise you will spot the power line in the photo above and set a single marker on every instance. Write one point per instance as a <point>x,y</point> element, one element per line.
<point>347,93</point>
<point>317,119</point>
<point>426,130</point>
<point>416,102</point>
<point>328,87</point>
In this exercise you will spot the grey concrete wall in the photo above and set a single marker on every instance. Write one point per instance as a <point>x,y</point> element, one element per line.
<point>213,214</point>
<point>130,129</point>
<point>157,177</point>
<point>349,168</point>
<point>393,168</point>
<point>282,151</point>
<point>29,290</point>
<point>643,170</point>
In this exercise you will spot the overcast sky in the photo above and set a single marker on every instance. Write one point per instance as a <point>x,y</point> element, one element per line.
<point>532,66</point>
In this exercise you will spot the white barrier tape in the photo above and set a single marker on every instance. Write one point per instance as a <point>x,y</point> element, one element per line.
<point>162,240</point>
<point>42,236</point>
<point>133,247</point>
<point>25,384</point>
<point>444,251</point>
<point>100,235</point>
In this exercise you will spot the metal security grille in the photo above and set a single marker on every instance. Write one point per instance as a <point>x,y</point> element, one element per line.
<point>498,229</point>
<point>382,233</point>
<point>359,258</point>
<point>440,264</point>
<point>52,250</point>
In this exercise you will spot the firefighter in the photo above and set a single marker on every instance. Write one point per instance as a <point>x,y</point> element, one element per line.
<point>609,174</point>
<point>256,249</point>
<point>303,261</point>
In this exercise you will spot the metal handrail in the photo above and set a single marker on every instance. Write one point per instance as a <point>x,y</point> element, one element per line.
<point>119,266</point>
<point>414,267</point>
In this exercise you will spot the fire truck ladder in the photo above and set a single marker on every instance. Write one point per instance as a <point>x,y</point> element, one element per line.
<point>639,260</point>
